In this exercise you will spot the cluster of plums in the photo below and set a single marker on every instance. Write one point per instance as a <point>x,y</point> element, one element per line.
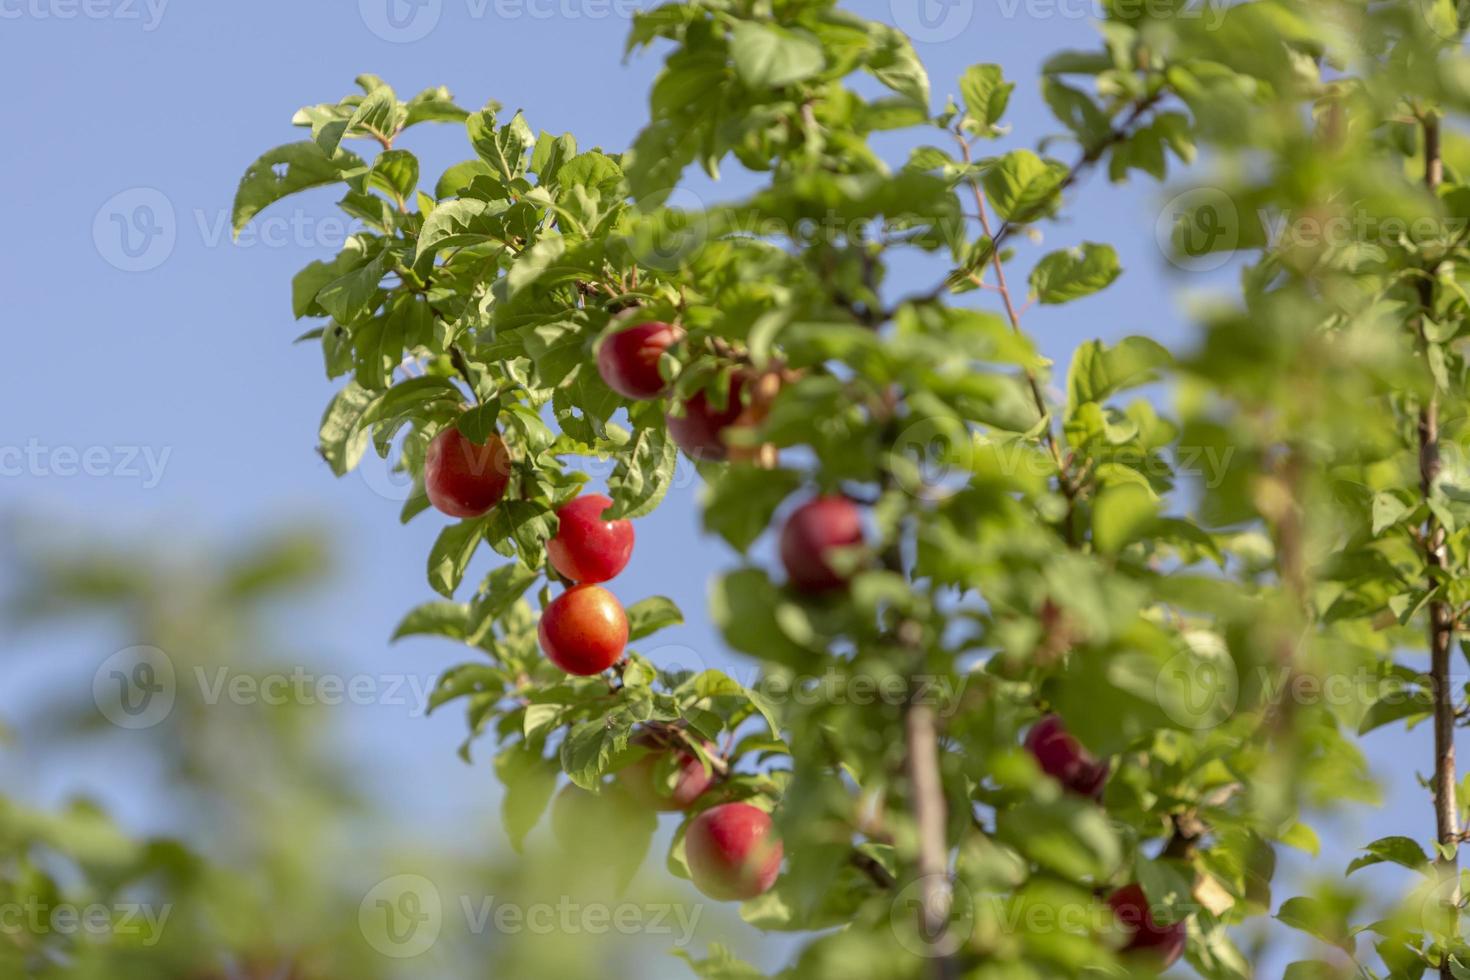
<point>628,362</point>
<point>731,849</point>
<point>1064,759</point>
<point>732,853</point>
<point>584,630</point>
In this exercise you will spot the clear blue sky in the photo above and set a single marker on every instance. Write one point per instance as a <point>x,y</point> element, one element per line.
<point>183,346</point>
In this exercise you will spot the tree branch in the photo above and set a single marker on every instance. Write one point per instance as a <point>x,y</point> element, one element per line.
<point>1441,618</point>
<point>1005,291</point>
<point>922,765</point>
<point>1090,156</point>
<point>875,871</point>
<point>926,792</point>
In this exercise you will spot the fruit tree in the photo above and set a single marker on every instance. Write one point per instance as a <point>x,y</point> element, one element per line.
<point>1095,600</point>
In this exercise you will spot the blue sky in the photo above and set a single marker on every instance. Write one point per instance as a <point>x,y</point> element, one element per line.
<point>160,359</point>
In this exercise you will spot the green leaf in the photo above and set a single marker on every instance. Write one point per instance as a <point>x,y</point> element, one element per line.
<point>499,592</point>
<point>1070,837</point>
<point>454,181</point>
<point>1076,111</point>
<point>1413,705</point>
<point>1313,970</point>
<point>480,423</point>
<point>650,615</point>
<point>746,607</point>
<point>377,116</point>
<point>341,440</point>
<point>526,524</point>
<point>448,619</point>
<point>643,475</point>
<point>589,748</point>
<point>1098,371</point>
<point>767,56</point>
<point>739,504</point>
<point>1121,515</point>
<point>433,105</point>
<point>1021,185</point>
<point>456,223</point>
<point>352,297</point>
<point>411,397</point>
<point>1388,510</point>
<point>550,155</point>
<point>530,781</point>
<point>897,65</point>
<point>721,964</point>
<point>1403,851</point>
<point>285,171</point>
<point>397,172</point>
<point>503,148</point>
<point>451,555</point>
<point>1067,275</point>
<point>1317,918</point>
<point>986,94</point>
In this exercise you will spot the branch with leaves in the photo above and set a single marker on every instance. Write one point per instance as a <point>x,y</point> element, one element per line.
<point>1106,598</point>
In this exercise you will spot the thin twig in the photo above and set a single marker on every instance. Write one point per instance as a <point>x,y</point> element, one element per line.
<point>1005,292</point>
<point>1441,617</point>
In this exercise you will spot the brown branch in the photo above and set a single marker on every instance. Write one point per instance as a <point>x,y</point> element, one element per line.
<point>1005,291</point>
<point>931,818</point>
<point>1085,162</point>
<point>871,867</point>
<point>1090,156</point>
<point>1441,618</point>
<point>1184,839</point>
<point>922,765</point>
<point>926,792</point>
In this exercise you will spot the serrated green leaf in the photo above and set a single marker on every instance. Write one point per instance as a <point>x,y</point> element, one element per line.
<point>642,475</point>
<point>986,94</point>
<point>1021,186</point>
<point>1067,275</point>
<point>650,615</point>
<point>285,171</point>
